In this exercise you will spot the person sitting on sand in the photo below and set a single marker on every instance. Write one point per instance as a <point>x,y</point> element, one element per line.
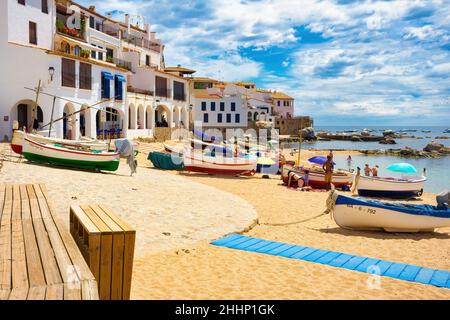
<point>367,170</point>
<point>328,168</point>
<point>375,171</point>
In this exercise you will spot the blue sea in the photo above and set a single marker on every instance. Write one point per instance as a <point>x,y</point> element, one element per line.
<point>437,170</point>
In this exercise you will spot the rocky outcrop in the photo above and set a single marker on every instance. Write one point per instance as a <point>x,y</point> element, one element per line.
<point>433,146</point>
<point>355,138</point>
<point>388,141</point>
<point>308,134</point>
<point>408,152</point>
<point>388,133</point>
<point>442,137</point>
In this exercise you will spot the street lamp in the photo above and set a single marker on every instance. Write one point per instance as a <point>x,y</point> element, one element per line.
<point>51,72</point>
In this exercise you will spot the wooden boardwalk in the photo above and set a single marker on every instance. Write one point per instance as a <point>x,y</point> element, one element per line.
<point>38,257</point>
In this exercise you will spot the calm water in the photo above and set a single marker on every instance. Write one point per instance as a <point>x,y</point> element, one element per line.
<point>438,170</point>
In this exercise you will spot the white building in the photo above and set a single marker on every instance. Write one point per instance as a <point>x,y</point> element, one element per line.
<point>85,59</point>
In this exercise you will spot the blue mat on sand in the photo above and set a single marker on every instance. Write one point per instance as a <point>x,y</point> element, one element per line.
<point>435,277</point>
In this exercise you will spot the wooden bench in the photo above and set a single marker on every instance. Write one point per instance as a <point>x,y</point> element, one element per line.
<point>38,257</point>
<point>107,244</point>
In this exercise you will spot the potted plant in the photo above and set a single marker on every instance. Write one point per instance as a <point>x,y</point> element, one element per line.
<point>110,59</point>
<point>85,53</point>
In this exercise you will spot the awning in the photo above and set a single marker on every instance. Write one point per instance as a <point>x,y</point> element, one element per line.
<point>120,78</point>
<point>82,44</point>
<point>107,75</point>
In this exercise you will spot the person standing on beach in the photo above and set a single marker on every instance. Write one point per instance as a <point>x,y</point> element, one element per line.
<point>367,170</point>
<point>375,171</point>
<point>349,162</point>
<point>328,168</point>
<point>331,155</point>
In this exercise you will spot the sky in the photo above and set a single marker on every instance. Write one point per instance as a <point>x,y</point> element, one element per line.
<point>346,62</point>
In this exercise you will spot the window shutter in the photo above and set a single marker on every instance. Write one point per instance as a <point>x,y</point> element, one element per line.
<point>68,73</point>
<point>33,33</point>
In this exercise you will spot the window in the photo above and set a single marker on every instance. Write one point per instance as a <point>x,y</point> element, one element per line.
<point>228,117</point>
<point>178,91</point>
<point>32,28</point>
<point>219,118</point>
<point>77,51</point>
<point>279,103</point>
<point>205,117</point>
<point>213,106</point>
<point>233,106</point>
<point>67,48</point>
<point>68,73</point>
<point>44,6</point>
<point>237,118</point>
<point>161,87</point>
<point>203,105</point>
<point>98,26</point>
<point>118,86</point>
<point>93,54</point>
<point>109,53</point>
<point>147,60</point>
<point>21,2</point>
<point>100,54</point>
<point>85,76</point>
<point>222,106</point>
<point>92,22</point>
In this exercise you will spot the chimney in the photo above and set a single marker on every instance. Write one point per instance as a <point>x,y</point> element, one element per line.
<point>92,8</point>
<point>127,22</point>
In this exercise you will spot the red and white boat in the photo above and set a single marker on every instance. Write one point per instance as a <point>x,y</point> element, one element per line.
<point>317,176</point>
<point>18,138</point>
<point>220,165</point>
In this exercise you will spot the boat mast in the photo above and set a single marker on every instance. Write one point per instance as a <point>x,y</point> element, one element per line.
<point>38,91</point>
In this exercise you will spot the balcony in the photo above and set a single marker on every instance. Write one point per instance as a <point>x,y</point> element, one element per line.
<point>140,91</point>
<point>65,23</point>
<point>141,42</point>
<point>179,96</point>
<point>163,92</point>
<point>120,63</point>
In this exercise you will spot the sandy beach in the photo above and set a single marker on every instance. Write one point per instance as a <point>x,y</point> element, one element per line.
<point>177,214</point>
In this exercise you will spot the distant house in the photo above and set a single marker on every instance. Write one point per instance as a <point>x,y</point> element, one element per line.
<point>283,105</point>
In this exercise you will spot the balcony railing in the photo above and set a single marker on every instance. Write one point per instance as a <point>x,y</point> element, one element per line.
<point>141,42</point>
<point>140,91</point>
<point>163,92</point>
<point>111,31</point>
<point>122,63</point>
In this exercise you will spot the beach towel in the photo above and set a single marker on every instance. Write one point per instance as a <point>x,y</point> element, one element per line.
<point>126,149</point>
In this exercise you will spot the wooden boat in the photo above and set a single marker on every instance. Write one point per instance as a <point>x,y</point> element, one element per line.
<point>387,187</point>
<point>366,214</point>
<point>59,155</point>
<point>219,165</point>
<point>166,161</point>
<point>174,146</point>
<point>317,176</point>
<point>18,137</point>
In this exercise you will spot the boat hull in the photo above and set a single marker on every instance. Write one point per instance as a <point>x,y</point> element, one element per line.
<point>219,165</point>
<point>41,153</point>
<point>317,179</point>
<point>383,187</point>
<point>353,213</point>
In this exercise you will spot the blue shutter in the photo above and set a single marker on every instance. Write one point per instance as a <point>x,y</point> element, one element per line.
<point>106,87</point>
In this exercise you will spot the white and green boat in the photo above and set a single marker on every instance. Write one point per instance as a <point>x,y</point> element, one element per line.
<point>57,154</point>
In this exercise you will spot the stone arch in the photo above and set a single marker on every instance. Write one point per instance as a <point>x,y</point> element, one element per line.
<point>177,116</point>
<point>150,117</point>
<point>69,122</point>
<point>255,116</point>
<point>140,117</point>
<point>113,127</point>
<point>132,117</point>
<point>85,121</point>
<point>163,116</point>
<point>24,112</point>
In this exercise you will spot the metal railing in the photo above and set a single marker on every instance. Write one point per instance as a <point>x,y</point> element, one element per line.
<point>163,92</point>
<point>141,42</point>
<point>111,31</point>
<point>140,91</point>
<point>123,64</point>
<point>179,96</point>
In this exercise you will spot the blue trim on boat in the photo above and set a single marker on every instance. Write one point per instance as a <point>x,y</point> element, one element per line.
<point>416,209</point>
<point>423,275</point>
<point>388,194</point>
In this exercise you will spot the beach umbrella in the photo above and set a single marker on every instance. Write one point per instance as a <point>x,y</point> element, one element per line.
<point>402,167</point>
<point>319,160</point>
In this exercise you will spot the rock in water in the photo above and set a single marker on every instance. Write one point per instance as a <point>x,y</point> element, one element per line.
<point>355,138</point>
<point>308,134</point>
<point>387,141</point>
<point>388,133</point>
<point>433,146</point>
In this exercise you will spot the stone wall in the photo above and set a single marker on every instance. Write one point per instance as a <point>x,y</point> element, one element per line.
<point>293,125</point>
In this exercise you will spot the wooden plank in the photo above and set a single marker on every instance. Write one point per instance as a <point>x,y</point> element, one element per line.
<point>89,290</point>
<point>19,262</point>
<point>102,226</point>
<point>125,226</point>
<point>71,247</point>
<point>72,291</point>
<point>104,282</point>
<point>4,294</point>
<point>83,218</point>
<point>5,240</point>
<point>94,255</point>
<point>117,266</point>
<point>106,219</point>
<point>55,292</point>
<point>50,266</point>
<point>18,294</point>
<point>2,198</point>
<point>130,239</point>
<point>45,212</point>
<point>36,293</point>
<point>25,202</point>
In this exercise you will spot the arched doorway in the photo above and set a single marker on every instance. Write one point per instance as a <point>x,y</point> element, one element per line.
<point>112,127</point>
<point>141,117</point>
<point>25,113</point>
<point>83,115</point>
<point>132,117</point>
<point>163,116</point>
<point>255,116</point>
<point>69,122</point>
<point>249,116</point>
